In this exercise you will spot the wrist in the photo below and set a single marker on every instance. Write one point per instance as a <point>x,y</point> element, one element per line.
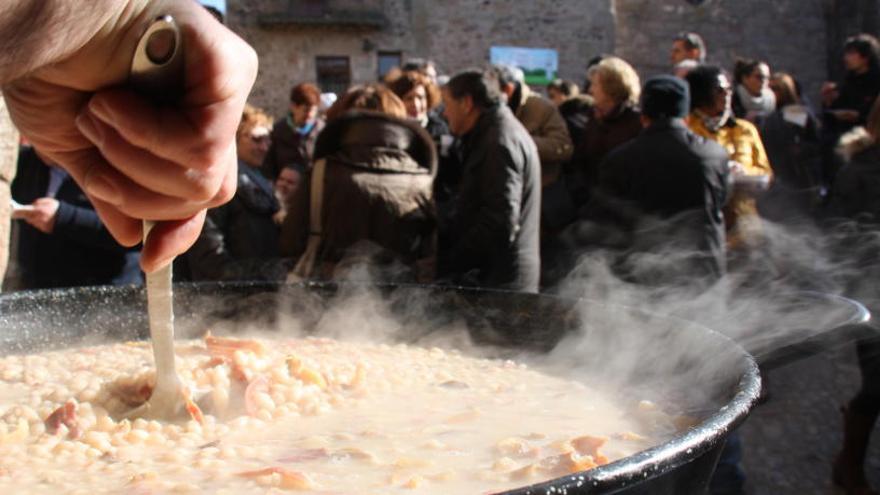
<point>38,34</point>
<point>104,60</point>
<point>94,40</point>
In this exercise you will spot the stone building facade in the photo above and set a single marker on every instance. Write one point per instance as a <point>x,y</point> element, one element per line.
<point>337,42</point>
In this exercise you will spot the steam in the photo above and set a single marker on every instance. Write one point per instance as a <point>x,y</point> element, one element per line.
<point>647,340</point>
<point>772,298</point>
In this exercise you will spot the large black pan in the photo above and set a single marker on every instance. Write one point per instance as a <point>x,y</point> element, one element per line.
<point>688,367</point>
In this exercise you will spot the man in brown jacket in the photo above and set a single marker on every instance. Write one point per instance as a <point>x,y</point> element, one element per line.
<point>540,118</point>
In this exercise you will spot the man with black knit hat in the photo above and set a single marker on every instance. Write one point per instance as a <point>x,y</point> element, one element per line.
<point>660,196</point>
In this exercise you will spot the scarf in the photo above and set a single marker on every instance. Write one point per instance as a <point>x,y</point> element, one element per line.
<point>756,106</point>
<point>714,124</point>
<point>302,131</point>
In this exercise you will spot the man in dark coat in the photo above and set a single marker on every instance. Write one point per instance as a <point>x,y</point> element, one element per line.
<point>492,239</point>
<point>663,193</point>
<point>61,241</point>
<point>846,106</point>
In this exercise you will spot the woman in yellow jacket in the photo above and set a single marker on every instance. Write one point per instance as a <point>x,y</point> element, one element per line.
<point>711,116</point>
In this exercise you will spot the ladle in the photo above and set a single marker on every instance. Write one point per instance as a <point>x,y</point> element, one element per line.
<point>156,70</point>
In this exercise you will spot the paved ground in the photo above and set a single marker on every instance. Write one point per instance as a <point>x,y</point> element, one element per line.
<point>790,441</point>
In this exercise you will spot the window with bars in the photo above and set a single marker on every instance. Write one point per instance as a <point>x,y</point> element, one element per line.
<point>388,60</point>
<point>334,73</point>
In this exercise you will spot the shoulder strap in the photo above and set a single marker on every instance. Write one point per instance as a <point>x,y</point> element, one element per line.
<point>306,263</point>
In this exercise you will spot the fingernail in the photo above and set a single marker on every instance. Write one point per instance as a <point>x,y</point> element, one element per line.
<point>100,110</point>
<point>104,189</point>
<point>86,125</point>
<point>156,265</point>
<point>163,262</point>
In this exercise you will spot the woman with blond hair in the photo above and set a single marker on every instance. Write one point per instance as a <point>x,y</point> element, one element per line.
<point>240,239</point>
<point>615,88</point>
<point>368,198</point>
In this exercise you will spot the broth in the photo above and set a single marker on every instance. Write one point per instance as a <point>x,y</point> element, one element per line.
<point>306,415</point>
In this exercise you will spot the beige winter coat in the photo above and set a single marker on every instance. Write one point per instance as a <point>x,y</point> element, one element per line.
<point>546,126</point>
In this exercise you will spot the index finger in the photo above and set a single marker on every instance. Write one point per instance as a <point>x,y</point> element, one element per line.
<point>219,70</point>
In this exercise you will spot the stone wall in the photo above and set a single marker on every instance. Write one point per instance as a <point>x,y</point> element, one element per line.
<point>460,33</point>
<point>455,33</point>
<point>789,35</point>
<point>287,52</point>
<point>798,36</point>
<point>846,18</point>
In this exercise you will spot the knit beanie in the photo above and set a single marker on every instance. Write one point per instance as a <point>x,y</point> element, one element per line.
<point>665,96</point>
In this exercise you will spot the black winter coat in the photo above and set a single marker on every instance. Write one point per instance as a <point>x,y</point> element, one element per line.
<point>599,137</point>
<point>289,147</point>
<point>80,250</point>
<point>492,239</point>
<point>240,239</point>
<point>663,193</point>
<point>576,112</point>
<point>449,166</point>
<point>795,154</point>
<point>857,92</point>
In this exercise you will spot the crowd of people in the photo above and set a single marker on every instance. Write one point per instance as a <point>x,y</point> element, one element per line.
<point>480,181</point>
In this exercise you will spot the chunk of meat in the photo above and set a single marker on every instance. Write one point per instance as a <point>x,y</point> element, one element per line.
<point>64,415</point>
<point>590,445</point>
<point>289,479</point>
<point>237,368</point>
<point>192,408</point>
<point>226,346</point>
<point>554,466</point>
<point>298,369</point>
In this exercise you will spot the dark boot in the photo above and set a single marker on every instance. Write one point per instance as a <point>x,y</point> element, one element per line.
<point>849,467</point>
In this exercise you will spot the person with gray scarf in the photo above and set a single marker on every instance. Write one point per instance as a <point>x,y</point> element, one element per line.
<point>752,97</point>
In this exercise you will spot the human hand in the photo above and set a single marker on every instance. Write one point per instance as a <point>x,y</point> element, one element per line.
<point>736,168</point>
<point>41,215</point>
<point>845,115</point>
<point>136,160</point>
<point>829,93</point>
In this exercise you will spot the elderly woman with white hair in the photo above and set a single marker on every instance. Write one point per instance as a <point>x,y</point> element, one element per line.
<point>615,88</point>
